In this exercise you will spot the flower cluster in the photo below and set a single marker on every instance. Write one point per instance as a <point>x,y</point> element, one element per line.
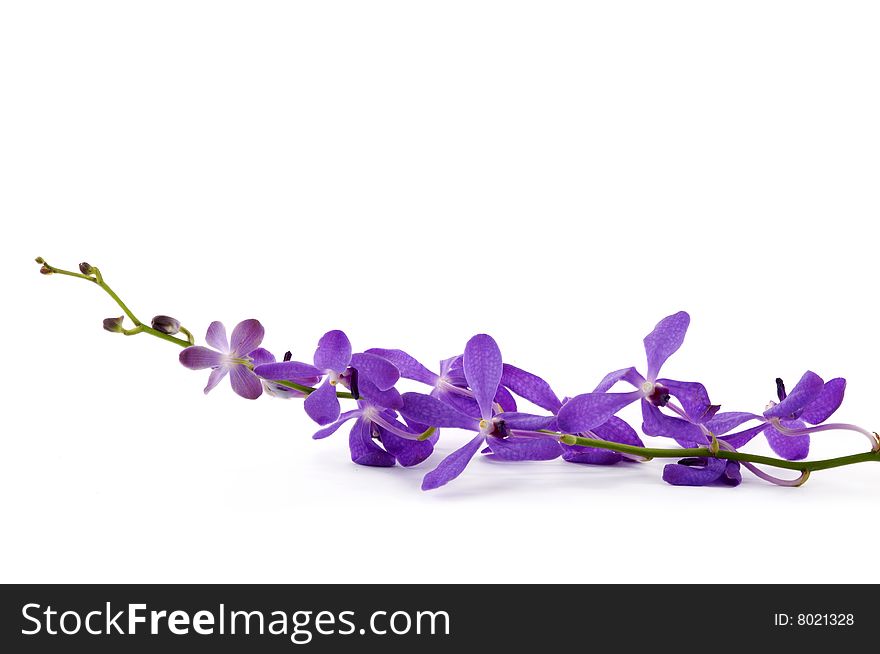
<point>476,391</point>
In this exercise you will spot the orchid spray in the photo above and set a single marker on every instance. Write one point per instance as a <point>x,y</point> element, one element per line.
<point>476,391</point>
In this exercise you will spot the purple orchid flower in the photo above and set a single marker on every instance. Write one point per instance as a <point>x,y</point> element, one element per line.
<point>376,425</point>
<point>590,410</point>
<point>367,375</point>
<point>228,357</point>
<point>785,424</point>
<point>261,357</point>
<point>511,436</point>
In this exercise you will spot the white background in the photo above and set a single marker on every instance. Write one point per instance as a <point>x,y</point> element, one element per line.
<point>560,175</point>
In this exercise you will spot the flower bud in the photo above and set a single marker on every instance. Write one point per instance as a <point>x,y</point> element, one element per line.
<point>165,324</point>
<point>45,270</point>
<point>114,324</point>
<point>86,268</point>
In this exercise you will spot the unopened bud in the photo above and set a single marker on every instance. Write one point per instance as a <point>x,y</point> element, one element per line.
<point>114,324</point>
<point>86,268</point>
<point>166,324</point>
<point>46,270</point>
<point>40,260</point>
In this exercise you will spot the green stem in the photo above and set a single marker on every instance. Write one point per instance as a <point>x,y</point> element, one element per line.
<point>98,279</point>
<point>677,453</point>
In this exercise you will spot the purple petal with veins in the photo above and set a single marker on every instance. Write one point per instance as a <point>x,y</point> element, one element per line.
<point>452,370</point>
<point>584,412</point>
<point>526,421</point>
<point>389,399</point>
<point>463,403</point>
<point>453,465</point>
<point>408,366</point>
<point>334,426</point>
<point>407,452</point>
<point>505,400</point>
<point>530,387</point>
<point>216,337</point>
<point>198,357</point>
<point>657,423</point>
<point>518,448</point>
<point>732,474</point>
<point>246,337</point>
<point>323,405</point>
<point>722,423</point>
<point>381,372</point>
<point>699,472</point>
<point>828,401</point>
<point>245,382</point>
<point>664,341</point>
<point>216,376</point>
<point>334,351</point>
<point>693,396</point>
<point>482,369</point>
<point>260,357</point>
<point>287,370</point>
<point>793,448</point>
<point>364,450</point>
<point>740,438</point>
<point>807,389</point>
<point>429,410</point>
<point>630,375</point>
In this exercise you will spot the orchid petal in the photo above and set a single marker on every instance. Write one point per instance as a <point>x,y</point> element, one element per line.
<point>364,450</point>
<point>334,351</point>
<point>322,405</point>
<point>198,357</point>
<point>584,412</point>
<point>793,448</point>
<point>431,411</point>
<point>526,421</point>
<point>664,341</point>
<point>408,452</point>
<point>630,375</point>
<point>518,448</point>
<point>722,423</point>
<point>482,369</point>
<point>246,337</point>
<point>381,372</point>
<point>216,376</point>
<point>453,465</point>
<point>287,370</point>
<point>530,387</point>
<point>740,438</point>
<point>216,337</point>
<point>334,426</point>
<point>504,399</point>
<point>245,382</point>
<point>388,399</point>
<point>807,389</point>
<point>408,366</point>
<point>657,423</point>
<point>820,409</point>
<point>693,396</point>
<point>704,472</point>
<point>261,356</point>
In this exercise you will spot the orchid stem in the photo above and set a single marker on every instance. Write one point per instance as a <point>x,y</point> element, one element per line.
<point>97,278</point>
<point>677,453</point>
